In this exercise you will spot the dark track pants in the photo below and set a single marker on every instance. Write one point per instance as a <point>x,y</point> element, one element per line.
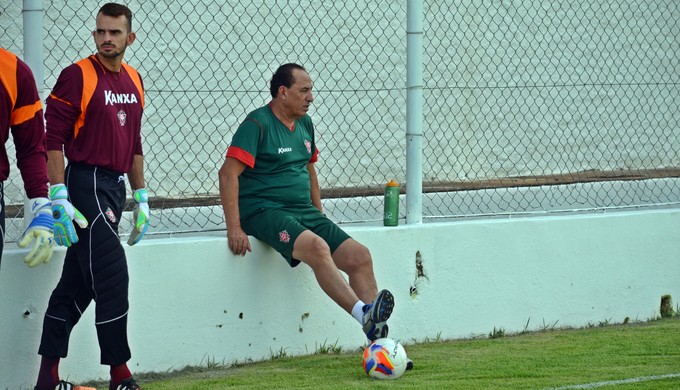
<point>95,268</point>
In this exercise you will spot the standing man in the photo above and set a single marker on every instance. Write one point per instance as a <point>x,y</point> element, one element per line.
<point>269,189</point>
<point>21,110</point>
<point>94,117</point>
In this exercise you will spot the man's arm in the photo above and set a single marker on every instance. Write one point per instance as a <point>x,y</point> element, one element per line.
<point>314,190</point>
<point>55,166</point>
<point>228,178</point>
<point>26,122</point>
<point>60,117</point>
<point>28,130</point>
<point>136,174</point>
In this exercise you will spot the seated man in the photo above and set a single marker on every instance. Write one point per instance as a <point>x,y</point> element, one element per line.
<point>269,189</point>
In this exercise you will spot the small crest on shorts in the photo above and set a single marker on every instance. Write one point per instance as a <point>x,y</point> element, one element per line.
<point>110,215</point>
<point>309,146</point>
<point>122,116</point>
<point>284,236</point>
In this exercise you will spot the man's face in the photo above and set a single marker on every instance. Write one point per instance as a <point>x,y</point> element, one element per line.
<point>112,36</point>
<point>299,96</point>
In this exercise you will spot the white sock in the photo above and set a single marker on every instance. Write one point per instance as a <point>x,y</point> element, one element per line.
<point>358,312</point>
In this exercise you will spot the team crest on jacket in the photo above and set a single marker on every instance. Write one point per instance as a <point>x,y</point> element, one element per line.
<point>309,146</point>
<point>110,215</point>
<point>122,116</point>
<point>284,237</point>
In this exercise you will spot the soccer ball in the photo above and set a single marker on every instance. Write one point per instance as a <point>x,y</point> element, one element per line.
<point>384,359</point>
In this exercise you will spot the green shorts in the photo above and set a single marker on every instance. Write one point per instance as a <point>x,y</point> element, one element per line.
<point>281,227</point>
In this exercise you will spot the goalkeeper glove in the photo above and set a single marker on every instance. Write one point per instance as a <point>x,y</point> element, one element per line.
<point>140,216</point>
<point>64,214</point>
<point>39,230</point>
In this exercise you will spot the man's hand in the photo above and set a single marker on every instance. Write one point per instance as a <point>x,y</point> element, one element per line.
<point>140,216</point>
<point>64,214</point>
<point>238,241</point>
<point>39,231</point>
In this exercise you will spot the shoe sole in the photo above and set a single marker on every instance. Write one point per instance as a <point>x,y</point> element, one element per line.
<point>381,310</point>
<point>384,304</point>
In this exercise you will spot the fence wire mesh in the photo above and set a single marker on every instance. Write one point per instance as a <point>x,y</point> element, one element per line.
<point>528,105</point>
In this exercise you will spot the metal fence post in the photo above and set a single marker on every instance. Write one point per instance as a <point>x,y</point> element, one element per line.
<point>33,40</point>
<point>414,111</point>
<point>33,44</point>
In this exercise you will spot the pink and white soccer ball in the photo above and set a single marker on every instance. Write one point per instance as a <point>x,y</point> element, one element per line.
<point>385,358</point>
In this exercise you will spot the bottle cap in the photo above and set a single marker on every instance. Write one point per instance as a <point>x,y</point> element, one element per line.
<point>392,183</point>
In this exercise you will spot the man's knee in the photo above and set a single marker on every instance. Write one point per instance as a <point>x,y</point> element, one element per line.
<point>311,248</point>
<point>351,255</point>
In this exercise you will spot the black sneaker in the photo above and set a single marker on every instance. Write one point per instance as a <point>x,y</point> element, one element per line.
<point>63,385</point>
<point>409,364</point>
<point>376,315</point>
<point>128,384</point>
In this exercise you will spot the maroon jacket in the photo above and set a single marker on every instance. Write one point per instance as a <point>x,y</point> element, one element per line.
<point>96,115</point>
<point>21,110</point>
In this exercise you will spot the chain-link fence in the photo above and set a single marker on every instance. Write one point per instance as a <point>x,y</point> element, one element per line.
<point>535,93</point>
<point>529,106</point>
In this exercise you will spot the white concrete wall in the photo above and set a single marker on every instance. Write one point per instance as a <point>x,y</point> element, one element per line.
<point>192,302</point>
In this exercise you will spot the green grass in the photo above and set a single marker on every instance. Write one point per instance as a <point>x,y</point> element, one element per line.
<point>547,359</point>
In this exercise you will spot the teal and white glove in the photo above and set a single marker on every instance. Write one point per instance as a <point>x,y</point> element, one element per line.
<point>39,231</point>
<point>64,214</point>
<point>140,216</point>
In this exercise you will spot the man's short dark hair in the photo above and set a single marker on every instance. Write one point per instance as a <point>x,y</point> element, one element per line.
<point>115,10</point>
<point>283,77</point>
